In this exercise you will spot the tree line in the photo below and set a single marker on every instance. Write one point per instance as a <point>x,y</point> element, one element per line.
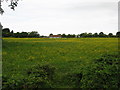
<point>101,34</point>
<point>34,34</point>
<point>7,33</point>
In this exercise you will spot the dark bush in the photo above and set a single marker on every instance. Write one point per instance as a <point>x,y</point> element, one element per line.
<point>104,73</point>
<point>40,77</point>
<point>36,77</point>
<point>11,83</point>
<point>73,79</point>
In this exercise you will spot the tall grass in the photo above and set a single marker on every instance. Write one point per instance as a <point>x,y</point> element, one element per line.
<point>72,59</point>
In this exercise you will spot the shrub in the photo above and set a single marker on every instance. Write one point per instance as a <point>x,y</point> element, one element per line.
<point>36,77</point>
<point>73,80</point>
<point>40,77</point>
<point>104,73</point>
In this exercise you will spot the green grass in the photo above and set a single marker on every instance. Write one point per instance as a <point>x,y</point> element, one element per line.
<point>69,57</point>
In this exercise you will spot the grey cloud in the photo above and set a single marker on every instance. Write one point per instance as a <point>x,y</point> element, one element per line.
<point>93,6</point>
<point>63,16</point>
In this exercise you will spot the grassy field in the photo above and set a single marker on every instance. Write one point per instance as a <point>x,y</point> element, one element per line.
<point>60,63</point>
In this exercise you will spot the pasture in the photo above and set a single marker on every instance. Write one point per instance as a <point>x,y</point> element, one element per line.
<point>60,63</point>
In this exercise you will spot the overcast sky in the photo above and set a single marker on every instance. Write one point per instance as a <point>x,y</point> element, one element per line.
<point>62,16</point>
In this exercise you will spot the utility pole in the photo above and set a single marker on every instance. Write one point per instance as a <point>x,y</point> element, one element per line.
<point>0,56</point>
<point>1,12</point>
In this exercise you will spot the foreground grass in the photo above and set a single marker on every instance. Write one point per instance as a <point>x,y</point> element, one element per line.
<point>71,58</point>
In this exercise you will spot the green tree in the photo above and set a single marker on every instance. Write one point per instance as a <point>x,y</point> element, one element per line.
<point>118,34</point>
<point>12,33</point>
<point>101,34</point>
<point>17,35</point>
<point>63,36</point>
<point>33,34</point>
<point>51,34</point>
<point>12,5</point>
<point>6,32</point>
<point>78,36</point>
<point>73,36</point>
<point>23,34</point>
<point>89,35</point>
<point>95,35</point>
<point>69,36</point>
<point>83,35</point>
<point>110,35</point>
<point>58,34</point>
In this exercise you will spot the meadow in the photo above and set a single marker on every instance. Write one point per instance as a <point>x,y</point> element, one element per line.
<point>60,63</point>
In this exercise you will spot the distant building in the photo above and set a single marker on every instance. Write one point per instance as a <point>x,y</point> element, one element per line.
<point>55,36</point>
